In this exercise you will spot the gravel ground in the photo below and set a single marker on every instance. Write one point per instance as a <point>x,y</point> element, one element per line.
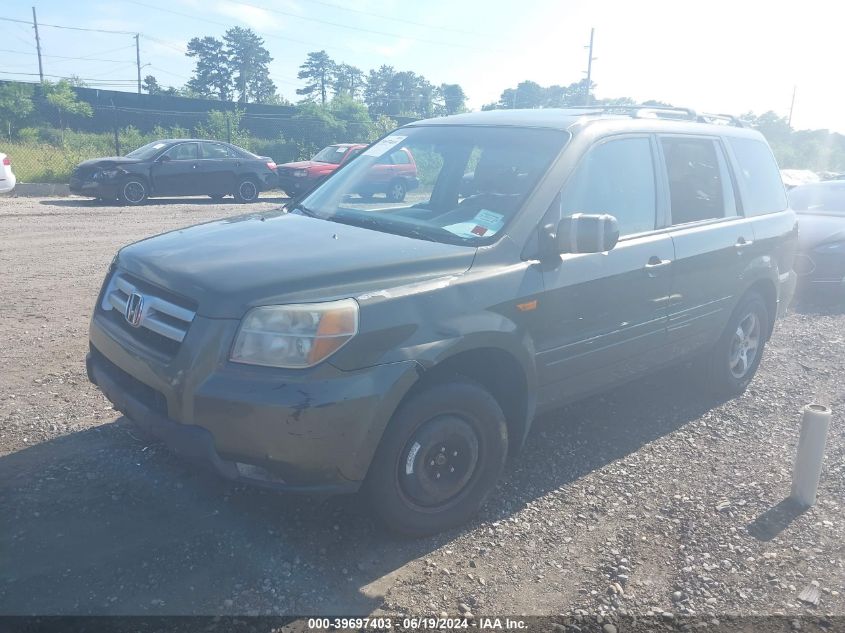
<point>650,500</point>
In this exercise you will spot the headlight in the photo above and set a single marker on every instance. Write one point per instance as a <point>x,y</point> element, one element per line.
<point>295,336</point>
<point>832,247</point>
<point>300,173</point>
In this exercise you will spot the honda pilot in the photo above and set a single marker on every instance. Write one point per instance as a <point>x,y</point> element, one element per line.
<point>404,348</point>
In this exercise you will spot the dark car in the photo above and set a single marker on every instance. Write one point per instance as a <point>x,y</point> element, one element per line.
<point>405,350</point>
<point>820,261</point>
<point>176,167</point>
<point>393,175</point>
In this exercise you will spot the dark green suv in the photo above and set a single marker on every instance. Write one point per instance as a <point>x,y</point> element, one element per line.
<point>405,347</point>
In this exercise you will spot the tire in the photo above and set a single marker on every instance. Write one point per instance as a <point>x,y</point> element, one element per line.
<point>396,192</point>
<point>247,191</point>
<point>132,192</point>
<point>439,458</point>
<point>217,197</point>
<point>733,361</point>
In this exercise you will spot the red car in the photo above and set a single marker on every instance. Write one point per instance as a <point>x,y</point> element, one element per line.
<point>393,175</point>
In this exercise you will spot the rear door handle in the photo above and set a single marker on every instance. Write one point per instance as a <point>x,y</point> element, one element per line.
<point>655,264</point>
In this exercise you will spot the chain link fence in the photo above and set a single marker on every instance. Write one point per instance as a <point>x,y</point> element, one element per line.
<point>46,135</point>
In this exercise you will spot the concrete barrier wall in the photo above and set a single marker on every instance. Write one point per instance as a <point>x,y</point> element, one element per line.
<point>39,189</point>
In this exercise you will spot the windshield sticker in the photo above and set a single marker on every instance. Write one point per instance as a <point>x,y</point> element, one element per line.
<point>158,145</point>
<point>385,145</point>
<point>340,150</point>
<point>484,224</point>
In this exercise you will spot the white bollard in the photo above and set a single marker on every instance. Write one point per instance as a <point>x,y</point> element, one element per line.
<point>808,461</point>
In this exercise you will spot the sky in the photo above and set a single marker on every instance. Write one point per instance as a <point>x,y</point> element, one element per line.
<point>727,56</point>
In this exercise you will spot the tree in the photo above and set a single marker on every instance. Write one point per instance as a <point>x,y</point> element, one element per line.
<point>348,80</point>
<point>249,65</point>
<point>377,94</point>
<point>319,70</point>
<point>15,105</point>
<point>213,73</point>
<point>63,99</point>
<point>454,99</point>
<point>150,85</point>
<point>353,114</point>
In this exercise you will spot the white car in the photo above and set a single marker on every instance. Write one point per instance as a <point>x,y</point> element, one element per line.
<point>7,178</point>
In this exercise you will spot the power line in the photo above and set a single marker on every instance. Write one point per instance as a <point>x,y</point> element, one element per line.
<point>95,79</point>
<point>399,20</point>
<point>70,28</point>
<point>90,59</point>
<point>365,30</point>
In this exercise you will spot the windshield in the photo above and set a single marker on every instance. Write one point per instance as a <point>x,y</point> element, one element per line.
<point>147,151</point>
<point>331,154</point>
<point>818,198</point>
<point>453,184</point>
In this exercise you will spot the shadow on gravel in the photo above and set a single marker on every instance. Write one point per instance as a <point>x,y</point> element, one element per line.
<point>775,520</point>
<point>819,303</point>
<point>97,522</point>
<point>202,201</point>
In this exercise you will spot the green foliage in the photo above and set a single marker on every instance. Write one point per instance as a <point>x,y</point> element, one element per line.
<point>382,126</point>
<point>319,70</point>
<point>454,99</point>
<point>236,66</point>
<point>348,80</point>
<point>15,106</point>
<point>63,99</point>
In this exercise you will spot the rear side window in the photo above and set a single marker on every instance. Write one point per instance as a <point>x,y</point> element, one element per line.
<point>758,172</point>
<point>616,177</point>
<point>696,183</point>
<point>215,150</point>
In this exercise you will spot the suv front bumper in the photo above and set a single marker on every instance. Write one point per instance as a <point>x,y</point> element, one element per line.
<point>300,431</point>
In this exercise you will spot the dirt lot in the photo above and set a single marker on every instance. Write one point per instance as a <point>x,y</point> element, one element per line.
<point>652,499</point>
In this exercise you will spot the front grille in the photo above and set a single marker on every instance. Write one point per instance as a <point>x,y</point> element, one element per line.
<point>146,395</point>
<point>162,319</point>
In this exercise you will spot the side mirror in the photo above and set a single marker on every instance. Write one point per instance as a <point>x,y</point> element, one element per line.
<point>587,233</point>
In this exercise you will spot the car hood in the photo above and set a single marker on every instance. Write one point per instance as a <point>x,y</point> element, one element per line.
<point>231,265</point>
<point>107,161</point>
<point>815,229</point>
<point>305,164</point>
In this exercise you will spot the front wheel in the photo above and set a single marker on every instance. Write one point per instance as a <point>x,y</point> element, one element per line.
<point>733,361</point>
<point>247,191</point>
<point>439,459</point>
<point>132,192</point>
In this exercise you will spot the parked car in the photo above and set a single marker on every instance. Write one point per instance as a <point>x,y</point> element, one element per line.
<point>7,177</point>
<point>820,261</point>
<point>393,175</point>
<point>176,167</point>
<point>405,350</point>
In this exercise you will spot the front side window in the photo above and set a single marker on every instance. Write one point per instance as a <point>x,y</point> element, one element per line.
<point>428,196</point>
<point>615,177</point>
<point>183,151</point>
<point>696,187</point>
<point>758,171</point>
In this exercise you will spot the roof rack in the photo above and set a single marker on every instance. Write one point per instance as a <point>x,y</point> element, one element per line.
<point>666,112</point>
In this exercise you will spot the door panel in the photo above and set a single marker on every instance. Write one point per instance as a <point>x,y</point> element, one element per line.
<point>218,168</point>
<point>180,174</point>
<point>712,244</point>
<point>604,314</point>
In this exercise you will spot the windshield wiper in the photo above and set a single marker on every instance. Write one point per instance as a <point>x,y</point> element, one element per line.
<point>305,211</point>
<point>380,223</point>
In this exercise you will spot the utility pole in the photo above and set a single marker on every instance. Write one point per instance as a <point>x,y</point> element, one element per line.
<point>38,45</point>
<point>138,58</point>
<point>589,69</point>
<point>792,106</point>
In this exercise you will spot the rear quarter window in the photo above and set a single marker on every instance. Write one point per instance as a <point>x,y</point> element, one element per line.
<point>760,181</point>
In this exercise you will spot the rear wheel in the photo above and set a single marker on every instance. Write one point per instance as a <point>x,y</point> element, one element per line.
<point>247,190</point>
<point>439,459</point>
<point>397,191</point>
<point>132,191</point>
<point>733,361</point>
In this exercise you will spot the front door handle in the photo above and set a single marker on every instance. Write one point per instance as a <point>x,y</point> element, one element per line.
<point>655,264</point>
<point>742,243</point>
